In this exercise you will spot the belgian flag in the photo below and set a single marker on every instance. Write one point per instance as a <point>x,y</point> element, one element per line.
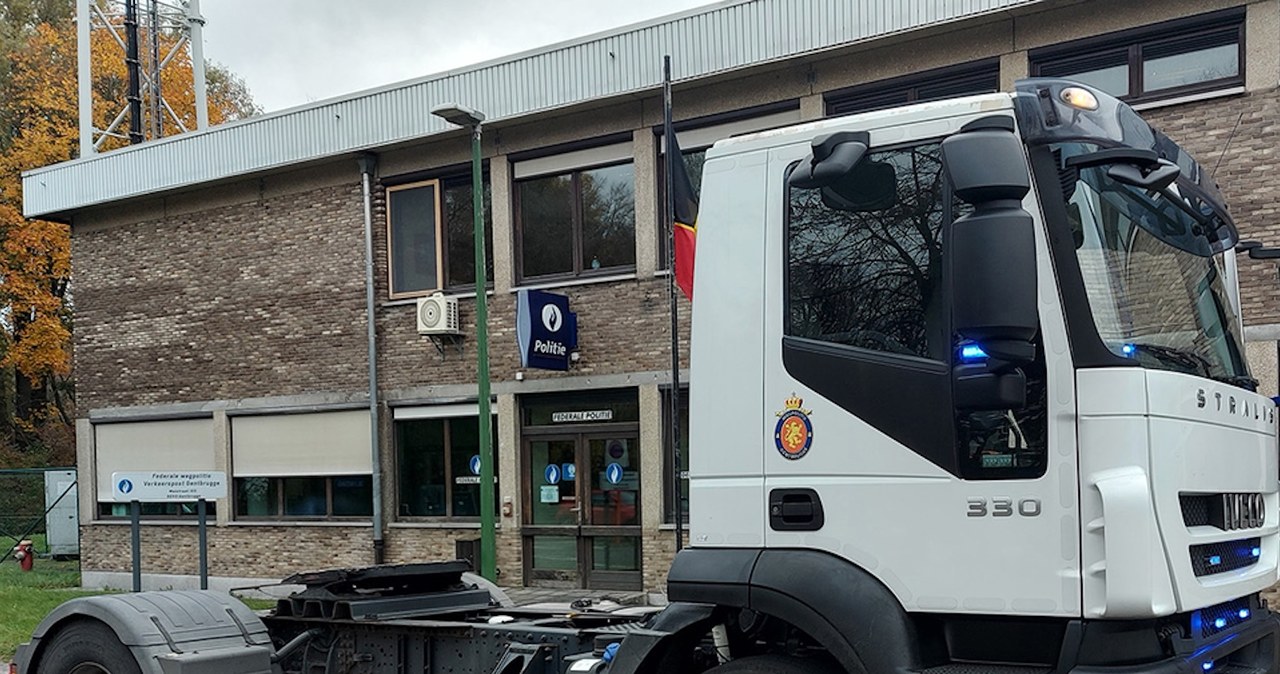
<point>684,208</point>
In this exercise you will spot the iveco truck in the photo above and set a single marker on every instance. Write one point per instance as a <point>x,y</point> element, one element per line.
<point>969,395</point>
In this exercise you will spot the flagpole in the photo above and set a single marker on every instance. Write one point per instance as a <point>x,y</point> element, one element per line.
<point>669,216</point>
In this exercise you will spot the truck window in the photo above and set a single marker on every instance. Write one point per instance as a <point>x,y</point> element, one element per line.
<point>873,279</point>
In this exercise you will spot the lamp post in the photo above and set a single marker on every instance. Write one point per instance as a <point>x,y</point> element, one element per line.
<point>466,117</point>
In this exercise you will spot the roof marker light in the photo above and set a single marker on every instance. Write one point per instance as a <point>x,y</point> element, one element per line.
<point>1079,98</point>
<point>972,352</point>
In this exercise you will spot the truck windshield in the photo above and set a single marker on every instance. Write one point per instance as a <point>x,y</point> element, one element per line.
<point>1155,297</point>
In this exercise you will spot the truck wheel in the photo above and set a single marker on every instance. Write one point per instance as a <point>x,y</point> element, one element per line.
<point>87,647</point>
<point>776,664</point>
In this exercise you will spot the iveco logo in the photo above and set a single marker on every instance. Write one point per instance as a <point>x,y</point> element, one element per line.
<point>1243,511</point>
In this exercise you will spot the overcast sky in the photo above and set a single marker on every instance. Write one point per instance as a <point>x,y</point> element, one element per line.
<point>292,52</point>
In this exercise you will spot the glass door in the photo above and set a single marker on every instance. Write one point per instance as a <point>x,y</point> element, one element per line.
<point>582,522</point>
<point>611,526</point>
<point>554,512</point>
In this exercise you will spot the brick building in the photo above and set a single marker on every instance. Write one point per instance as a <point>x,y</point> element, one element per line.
<point>219,277</point>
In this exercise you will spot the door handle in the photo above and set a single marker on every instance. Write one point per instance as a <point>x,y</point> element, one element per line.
<point>795,510</point>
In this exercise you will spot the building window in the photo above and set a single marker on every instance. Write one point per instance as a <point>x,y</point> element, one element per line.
<point>669,468</point>
<point>1177,58</point>
<point>577,223</point>
<point>304,497</point>
<point>435,461</point>
<point>965,80</point>
<point>872,279</point>
<point>422,214</point>
<point>183,510</point>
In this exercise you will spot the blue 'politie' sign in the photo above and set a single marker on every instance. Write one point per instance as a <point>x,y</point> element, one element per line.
<point>546,330</point>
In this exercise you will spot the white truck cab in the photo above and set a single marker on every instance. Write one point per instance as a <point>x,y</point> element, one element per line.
<point>969,386</point>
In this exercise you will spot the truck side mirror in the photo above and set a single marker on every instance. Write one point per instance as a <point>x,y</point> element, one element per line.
<point>993,263</point>
<point>838,166</point>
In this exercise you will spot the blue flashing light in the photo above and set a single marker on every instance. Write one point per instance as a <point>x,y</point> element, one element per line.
<point>972,352</point>
<point>1220,623</point>
<point>1207,665</point>
<point>1129,350</point>
<point>1256,552</point>
<point>1215,560</point>
<point>1244,614</point>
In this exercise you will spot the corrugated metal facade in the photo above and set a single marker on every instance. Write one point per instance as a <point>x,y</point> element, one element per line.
<point>721,38</point>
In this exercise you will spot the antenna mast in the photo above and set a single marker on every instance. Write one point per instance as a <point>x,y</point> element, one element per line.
<point>149,39</point>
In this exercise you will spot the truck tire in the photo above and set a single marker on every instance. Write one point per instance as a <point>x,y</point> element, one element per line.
<point>775,664</point>
<point>86,647</point>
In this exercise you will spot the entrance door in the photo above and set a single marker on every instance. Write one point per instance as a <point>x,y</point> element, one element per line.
<point>582,527</point>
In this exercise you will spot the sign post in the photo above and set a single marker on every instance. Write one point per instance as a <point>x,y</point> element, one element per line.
<point>168,487</point>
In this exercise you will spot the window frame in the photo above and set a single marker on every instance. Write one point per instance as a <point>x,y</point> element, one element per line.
<point>1134,42</point>
<point>211,511</point>
<point>448,472</point>
<point>838,102</point>
<point>579,269</point>
<point>441,182</point>
<point>280,515</point>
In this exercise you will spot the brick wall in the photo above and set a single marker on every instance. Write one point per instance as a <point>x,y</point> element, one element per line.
<point>623,327</point>
<point>252,299</point>
<point>261,551</point>
<point>1246,174</point>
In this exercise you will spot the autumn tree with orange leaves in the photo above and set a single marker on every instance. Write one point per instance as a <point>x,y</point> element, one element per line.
<point>39,122</point>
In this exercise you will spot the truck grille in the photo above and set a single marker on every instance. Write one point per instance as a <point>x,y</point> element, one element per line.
<point>1214,619</point>
<point>1227,512</point>
<point>1212,558</point>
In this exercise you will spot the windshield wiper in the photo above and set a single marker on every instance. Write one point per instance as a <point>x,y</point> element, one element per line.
<point>1193,361</point>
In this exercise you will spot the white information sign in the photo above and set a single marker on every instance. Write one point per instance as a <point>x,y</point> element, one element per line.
<point>168,486</point>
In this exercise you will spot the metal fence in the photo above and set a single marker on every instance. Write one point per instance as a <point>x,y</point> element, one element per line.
<point>40,504</point>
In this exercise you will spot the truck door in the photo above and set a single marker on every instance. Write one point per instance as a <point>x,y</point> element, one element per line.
<point>866,454</point>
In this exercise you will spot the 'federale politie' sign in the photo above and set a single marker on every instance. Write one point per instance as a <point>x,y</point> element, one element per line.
<point>546,330</point>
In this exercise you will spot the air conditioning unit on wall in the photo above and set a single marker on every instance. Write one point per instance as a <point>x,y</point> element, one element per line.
<point>438,315</point>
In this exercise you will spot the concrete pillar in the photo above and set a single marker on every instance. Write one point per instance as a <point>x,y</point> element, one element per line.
<point>510,545</point>
<point>503,223</point>
<point>653,456</point>
<point>86,477</point>
<point>1262,45</point>
<point>1013,67</point>
<point>222,461</point>
<point>813,107</point>
<point>647,208</point>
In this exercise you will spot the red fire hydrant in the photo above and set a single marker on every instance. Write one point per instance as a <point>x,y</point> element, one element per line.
<point>25,553</point>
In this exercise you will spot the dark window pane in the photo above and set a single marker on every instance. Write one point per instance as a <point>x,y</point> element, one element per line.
<point>460,233</point>
<point>464,443</point>
<point>683,467</point>
<point>412,212</point>
<point>305,497</point>
<point>257,497</point>
<point>608,217</point>
<point>1180,70</point>
<point>615,554</point>
<point>353,496</point>
<point>420,458</point>
<point>546,226</point>
<point>873,279</point>
<point>604,406</point>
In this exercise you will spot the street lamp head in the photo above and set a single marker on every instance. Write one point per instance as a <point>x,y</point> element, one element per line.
<point>458,114</point>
